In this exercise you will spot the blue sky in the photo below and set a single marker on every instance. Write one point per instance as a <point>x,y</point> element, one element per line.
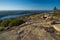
<point>29,4</point>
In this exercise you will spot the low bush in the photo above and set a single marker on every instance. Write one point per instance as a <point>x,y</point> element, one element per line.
<point>1,28</point>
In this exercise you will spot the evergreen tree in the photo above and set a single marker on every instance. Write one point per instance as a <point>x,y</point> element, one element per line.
<point>55,9</point>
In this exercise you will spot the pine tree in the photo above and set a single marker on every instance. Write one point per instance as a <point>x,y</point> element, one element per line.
<point>55,9</point>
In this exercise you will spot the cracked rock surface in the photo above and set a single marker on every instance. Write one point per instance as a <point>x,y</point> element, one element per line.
<point>33,29</point>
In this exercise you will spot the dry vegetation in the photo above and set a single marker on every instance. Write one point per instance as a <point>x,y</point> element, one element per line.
<point>35,27</point>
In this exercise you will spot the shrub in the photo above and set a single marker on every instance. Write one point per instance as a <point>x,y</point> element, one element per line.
<point>15,22</point>
<point>1,28</point>
<point>5,23</point>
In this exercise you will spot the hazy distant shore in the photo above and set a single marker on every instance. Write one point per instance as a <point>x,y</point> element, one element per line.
<point>16,13</point>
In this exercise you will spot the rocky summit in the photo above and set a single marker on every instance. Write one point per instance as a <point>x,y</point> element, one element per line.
<point>36,27</point>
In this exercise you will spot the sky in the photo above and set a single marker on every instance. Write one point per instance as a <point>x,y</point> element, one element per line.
<point>29,4</point>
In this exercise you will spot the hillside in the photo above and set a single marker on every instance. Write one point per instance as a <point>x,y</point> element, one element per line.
<point>36,27</point>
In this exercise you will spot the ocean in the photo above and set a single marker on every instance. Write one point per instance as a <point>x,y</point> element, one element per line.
<point>14,14</point>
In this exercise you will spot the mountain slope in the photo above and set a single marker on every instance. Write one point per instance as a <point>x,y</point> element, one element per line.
<point>35,28</point>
